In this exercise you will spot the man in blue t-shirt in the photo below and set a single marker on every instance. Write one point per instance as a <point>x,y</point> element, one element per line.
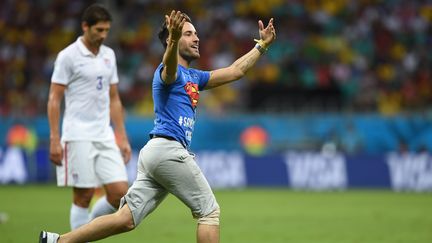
<point>165,164</point>
<point>175,103</point>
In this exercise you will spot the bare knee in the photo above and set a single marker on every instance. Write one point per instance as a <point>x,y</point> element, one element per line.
<point>114,199</point>
<point>82,196</point>
<point>115,191</point>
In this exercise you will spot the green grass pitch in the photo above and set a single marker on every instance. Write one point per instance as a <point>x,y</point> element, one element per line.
<point>248,216</point>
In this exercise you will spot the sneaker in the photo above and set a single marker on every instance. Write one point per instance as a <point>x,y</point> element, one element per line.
<point>48,237</point>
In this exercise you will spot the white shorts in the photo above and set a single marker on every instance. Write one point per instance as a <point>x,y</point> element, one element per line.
<point>88,164</point>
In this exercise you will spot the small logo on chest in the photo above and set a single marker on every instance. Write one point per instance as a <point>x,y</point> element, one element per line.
<point>107,62</point>
<point>193,92</point>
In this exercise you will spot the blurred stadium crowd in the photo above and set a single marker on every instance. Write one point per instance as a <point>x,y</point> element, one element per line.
<point>330,55</point>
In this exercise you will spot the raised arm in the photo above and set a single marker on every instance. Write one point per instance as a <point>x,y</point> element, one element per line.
<point>116,113</point>
<point>175,24</point>
<point>54,102</point>
<point>239,68</point>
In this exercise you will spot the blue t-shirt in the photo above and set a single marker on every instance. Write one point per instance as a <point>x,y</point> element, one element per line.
<point>175,104</point>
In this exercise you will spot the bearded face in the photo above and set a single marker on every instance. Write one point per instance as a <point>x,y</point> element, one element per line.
<point>96,34</point>
<point>189,43</point>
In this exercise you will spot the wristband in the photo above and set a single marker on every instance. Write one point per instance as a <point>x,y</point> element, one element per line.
<point>260,46</point>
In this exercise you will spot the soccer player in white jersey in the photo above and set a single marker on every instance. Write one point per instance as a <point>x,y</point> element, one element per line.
<point>87,155</point>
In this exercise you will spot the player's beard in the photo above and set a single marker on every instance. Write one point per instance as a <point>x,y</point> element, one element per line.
<point>189,54</point>
<point>97,42</point>
<point>93,42</point>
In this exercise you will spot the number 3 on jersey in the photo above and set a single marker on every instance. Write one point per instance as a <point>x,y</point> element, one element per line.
<point>99,85</point>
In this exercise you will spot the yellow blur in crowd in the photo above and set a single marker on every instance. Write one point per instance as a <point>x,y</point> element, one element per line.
<point>374,52</point>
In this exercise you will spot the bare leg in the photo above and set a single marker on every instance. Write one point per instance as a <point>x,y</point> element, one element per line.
<point>109,203</point>
<point>82,196</point>
<point>101,227</point>
<point>207,233</point>
<point>115,191</point>
<point>79,214</point>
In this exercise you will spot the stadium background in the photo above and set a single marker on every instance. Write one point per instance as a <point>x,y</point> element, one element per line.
<point>340,101</point>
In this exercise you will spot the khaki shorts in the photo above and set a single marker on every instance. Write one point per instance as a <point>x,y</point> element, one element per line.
<point>89,164</point>
<point>164,166</point>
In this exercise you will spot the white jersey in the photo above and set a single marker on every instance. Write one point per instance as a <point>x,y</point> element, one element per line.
<point>87,102</point>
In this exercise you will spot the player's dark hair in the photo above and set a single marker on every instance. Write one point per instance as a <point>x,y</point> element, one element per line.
<point>95,13</point>
<point>163,32</point>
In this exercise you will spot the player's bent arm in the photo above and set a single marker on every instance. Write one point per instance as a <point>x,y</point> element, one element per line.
<point>116,114</point>
<point>53,109</point>
<point>175,24</point>
<point>169,72</point>
<point>235,71</point>
<point>239,68</point>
